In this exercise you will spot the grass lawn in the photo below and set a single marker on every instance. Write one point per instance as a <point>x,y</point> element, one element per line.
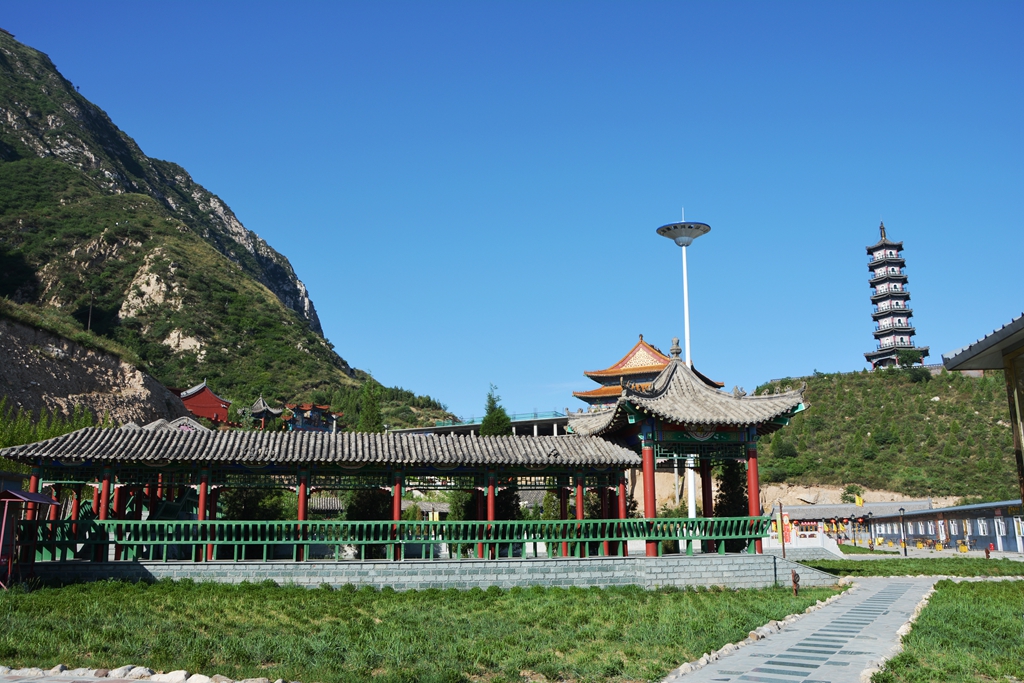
<point>847,549</point>
<point>950,566</point>
<point>249,630</point>
<point>968,632</point>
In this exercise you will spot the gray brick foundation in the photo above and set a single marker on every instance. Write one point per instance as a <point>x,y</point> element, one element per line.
<point>730,571</point>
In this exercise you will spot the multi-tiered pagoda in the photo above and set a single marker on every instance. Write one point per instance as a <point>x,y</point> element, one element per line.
<point>891,300</point>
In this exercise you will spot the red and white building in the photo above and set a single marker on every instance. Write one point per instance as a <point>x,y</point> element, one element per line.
<point>891,301</point>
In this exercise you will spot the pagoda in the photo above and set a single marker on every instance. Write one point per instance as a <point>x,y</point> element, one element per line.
<point>890,298</point>
<point>638,368</point>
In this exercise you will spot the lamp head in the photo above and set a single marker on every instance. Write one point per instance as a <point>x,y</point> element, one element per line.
<point>684,233</point>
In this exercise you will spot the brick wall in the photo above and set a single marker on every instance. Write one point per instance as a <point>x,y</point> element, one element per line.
<point>731,571</point>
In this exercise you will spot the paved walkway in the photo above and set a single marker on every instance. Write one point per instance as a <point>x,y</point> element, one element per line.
<point>830,645</point>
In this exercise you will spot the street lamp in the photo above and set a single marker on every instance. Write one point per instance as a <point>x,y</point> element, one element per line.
<point>683,234</point>
<point>903,533</point>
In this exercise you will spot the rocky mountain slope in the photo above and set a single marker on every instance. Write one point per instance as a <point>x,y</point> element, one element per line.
<point>133,249</point>
<point>41,370</point>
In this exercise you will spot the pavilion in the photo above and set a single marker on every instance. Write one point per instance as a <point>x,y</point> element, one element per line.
<point>683,416</point>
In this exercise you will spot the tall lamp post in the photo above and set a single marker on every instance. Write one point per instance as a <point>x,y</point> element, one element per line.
<point>683,234</point>
<point>903,533</point>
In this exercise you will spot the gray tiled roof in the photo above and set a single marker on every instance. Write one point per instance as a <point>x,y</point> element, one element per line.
<point>678,395</point>
<point>847,510</point>
<point>169,445</point>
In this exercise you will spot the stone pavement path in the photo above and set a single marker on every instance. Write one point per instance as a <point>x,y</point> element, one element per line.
<point>831,645</point>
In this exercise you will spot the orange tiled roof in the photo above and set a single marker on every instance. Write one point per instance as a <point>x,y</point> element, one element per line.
<point>641,359</point>
<point>605,391</point>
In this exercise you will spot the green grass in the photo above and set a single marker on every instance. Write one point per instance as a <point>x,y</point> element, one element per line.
<point>968,632</point>
<point>249,630</point>
<point>948,566</point>
<point>847,549</point>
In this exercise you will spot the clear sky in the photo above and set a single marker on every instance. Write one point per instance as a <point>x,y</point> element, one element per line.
<point>471,190</point>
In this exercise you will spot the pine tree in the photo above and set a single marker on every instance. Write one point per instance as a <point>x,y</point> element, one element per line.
<point>496,421</point>
<point>370,418</point>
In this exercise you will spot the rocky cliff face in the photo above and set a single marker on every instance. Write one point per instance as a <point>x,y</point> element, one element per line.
<point>42,370</point>
<point>42,115</point>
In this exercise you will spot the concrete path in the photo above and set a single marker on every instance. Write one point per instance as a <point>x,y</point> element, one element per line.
<point>831,645</point>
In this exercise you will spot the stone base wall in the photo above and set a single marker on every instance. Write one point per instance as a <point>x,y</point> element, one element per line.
<point>803,554</point>
<point>730,571</point>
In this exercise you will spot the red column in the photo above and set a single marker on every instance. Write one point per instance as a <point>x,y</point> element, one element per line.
<point>33,487</point>
<point>214,495</point>
<point>396,510</point>
<point>481,513</point>
<point>623,510</point>
<point>55,509</point>
<point>160,487</point>
<point>104,513</point>
<point>96,501</point>
<point>491,505</point>
<point>707,499</point>
<point>753,489</point>
<point>581,547</point>
<point>563,511</point>
<point>76,506</point>
<point>605,493</point>
<point>204,484</point>
<point>650,498</point>
<point>119,496</point>
<point>304,504</point>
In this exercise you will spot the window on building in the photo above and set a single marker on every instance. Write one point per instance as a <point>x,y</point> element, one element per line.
<point>954,529</point>
<point>931,528</point>
<point>983,527</point>
<point>920,528</point>
<point>1000,527</point>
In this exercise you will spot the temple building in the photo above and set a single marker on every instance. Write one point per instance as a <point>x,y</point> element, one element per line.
<point>638,367</point>
<point>202,402</point>
<point>307,417</point>
<point>890,300</point>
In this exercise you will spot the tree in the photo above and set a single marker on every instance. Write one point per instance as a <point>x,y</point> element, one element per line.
<point>907,357</point>
<point>850,493</point>
<point>496,421</point>
<point>370,418</point>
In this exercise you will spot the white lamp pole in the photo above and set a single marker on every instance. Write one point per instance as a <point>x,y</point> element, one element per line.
<point>683,234</point>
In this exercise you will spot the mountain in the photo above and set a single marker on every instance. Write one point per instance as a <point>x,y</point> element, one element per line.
<point>905,431</point>
<point>133,249</point>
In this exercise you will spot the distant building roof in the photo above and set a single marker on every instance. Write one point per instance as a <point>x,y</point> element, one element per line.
<point>262,409</point>
<point>987,352</point>
<point>849,510</point>
<point>641,359</point>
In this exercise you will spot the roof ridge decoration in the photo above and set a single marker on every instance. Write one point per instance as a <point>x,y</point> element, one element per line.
<point>679,395</point>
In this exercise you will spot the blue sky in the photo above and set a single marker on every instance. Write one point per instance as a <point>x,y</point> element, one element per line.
<point>470,190</point>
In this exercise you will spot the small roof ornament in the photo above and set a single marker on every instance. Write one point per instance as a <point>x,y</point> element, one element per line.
<point>881,228</point>
<point>675,350</point>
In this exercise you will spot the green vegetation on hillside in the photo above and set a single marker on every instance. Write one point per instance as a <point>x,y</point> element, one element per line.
<point>968,632</point>
<point>897,430</point>
<point>250,630</point>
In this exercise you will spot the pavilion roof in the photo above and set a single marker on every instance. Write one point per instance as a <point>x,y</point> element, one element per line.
<point>641,359</point>
<point>156,447</point>
<point>681,396</point>
<point>262,409</point>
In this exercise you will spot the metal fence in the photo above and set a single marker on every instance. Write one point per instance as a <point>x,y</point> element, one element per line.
<point>126,540</point>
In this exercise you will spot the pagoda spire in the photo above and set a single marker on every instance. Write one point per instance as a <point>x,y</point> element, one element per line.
<point>881,229</point>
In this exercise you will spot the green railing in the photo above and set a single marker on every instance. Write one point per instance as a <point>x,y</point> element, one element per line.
<point>127,540</point>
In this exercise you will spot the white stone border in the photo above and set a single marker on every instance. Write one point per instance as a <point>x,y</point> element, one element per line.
<point>761,632</point>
